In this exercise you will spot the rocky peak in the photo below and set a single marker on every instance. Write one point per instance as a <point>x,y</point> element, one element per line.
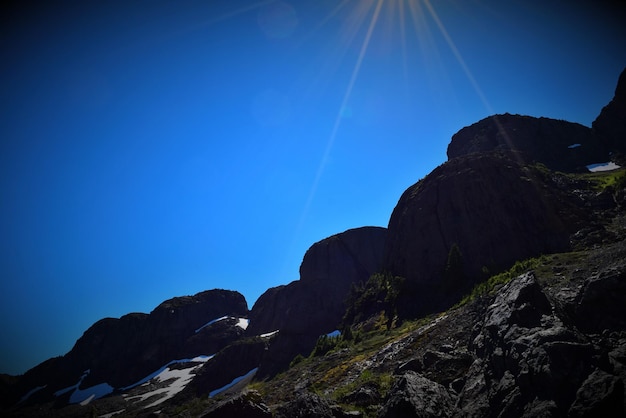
<point>610,125</point>
<point>315,304</point>
<point>490,208</point>
<point>560,145</point>
<point>122,351</point>
<point>316,301</point>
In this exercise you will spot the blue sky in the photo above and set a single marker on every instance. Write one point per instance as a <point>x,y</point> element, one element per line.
<point>152,149</point>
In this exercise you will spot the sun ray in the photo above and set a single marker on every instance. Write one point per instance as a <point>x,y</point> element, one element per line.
<point>346,97</point>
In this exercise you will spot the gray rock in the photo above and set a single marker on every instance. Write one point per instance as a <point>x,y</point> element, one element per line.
<point>601,395</point>
<point>309,405</point>
<point>413,395</point>
<point>529,363</point>
<point>601,302</point>
<point>244,405</point>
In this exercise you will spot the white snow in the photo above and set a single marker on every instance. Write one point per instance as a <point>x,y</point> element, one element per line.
<point>233,383</point>
<point>210,323</point>
<point>84,396</point>
<point>603,167</point>
<point>574,146</point>
<point>179,378</point>
<point>243,323</point>
<point>269,334</point>
<point>198,359</point>
<point>31,392</point>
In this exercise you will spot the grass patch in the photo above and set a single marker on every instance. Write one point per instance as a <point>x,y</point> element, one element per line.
<point>487,287</point>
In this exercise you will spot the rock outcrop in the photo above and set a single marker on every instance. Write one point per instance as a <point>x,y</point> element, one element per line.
<point>414,395</point>
<point>610,125</point>
<point>560,145</point>
<point>491,208</point>
<point>245,405</point>
<point>530,362</point>
<point>314,305</point>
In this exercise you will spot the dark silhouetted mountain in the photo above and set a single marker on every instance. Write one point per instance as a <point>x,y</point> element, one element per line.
<point>560,145</point>
<point>122,351</point>
<point>610,125</point>
<point>315,304</point>
<point>493,208</point>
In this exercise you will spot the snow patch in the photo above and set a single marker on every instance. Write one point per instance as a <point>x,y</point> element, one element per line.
<point>233,383</point>
<point>603,167</point>
<point>269,334</point>
<point>198,359</point>
<point>84,396</point>
<point>243,323</point>
<point>210,323</point>
<point>177,378</point>
<point>574,146</point>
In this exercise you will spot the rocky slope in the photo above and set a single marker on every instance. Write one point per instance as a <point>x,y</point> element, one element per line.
<point>538,345</point>
<point>545,339</point>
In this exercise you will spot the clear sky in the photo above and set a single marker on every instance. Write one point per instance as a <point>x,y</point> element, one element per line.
<point>152,149</point>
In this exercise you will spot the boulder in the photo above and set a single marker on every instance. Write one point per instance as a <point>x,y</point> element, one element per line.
<point>308,405</point>
<point>600,395</point>
<point>601,302</point>
<point>244,405</point>
<point>413,395</point>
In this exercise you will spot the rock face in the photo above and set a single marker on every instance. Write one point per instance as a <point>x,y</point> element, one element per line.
<point>329,268</point>
<point>529,362</point>
<point>610,125</point>
<point>494,210</point>
<point>314,305</point>
<point>560,145</point>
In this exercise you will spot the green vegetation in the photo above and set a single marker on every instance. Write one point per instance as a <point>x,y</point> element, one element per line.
<point>325,344</point>
<point>379,294</point>
<point>489,286</point>
<point>603,179</point>
<point>453,275</point>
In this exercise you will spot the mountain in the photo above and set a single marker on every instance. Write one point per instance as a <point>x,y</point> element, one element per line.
<point>314,305</point>
<point>497,290</point>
